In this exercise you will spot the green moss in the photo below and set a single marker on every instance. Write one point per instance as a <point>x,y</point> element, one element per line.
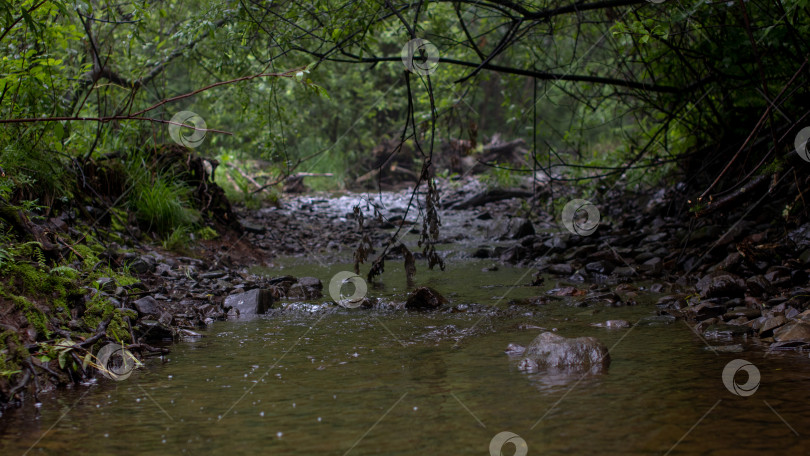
<point>99,308</point>
<point>89,254</point>
<point>35,317</point>
<point>11,353</point>
<point>31,280</point>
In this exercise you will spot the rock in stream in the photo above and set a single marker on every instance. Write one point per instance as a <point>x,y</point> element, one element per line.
<point>550,350</point>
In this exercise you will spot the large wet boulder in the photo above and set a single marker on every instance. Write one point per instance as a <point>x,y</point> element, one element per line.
<point>306,288</point>
<point>794,331</point>
<point>147,306</point>
<point>425,298</point>
<point>253,302</point>
<point>550,350</point>
<point>721,285</point>
<point>521,228</point>
<point>141,264</point>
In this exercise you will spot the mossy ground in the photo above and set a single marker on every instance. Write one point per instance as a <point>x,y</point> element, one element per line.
<point>42,306</point>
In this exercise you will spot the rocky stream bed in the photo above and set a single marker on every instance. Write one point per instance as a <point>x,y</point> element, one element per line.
<point>736,291</point>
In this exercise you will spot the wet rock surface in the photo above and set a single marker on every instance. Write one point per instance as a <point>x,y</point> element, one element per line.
<point>554,351</point>
<point>253,302</point>
<point>425,298</point>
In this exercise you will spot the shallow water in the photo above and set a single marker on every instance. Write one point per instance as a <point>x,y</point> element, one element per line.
<point>361,382</point>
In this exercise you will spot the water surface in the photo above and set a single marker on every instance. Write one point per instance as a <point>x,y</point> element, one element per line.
<point>359,382</point>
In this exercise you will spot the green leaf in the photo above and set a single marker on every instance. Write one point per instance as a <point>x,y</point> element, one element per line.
<point>58,130</point>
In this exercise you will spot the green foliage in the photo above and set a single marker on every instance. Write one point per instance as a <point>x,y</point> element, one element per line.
<point>160,201</point>
<point>238,189</point>
<point>65,271</point>
<point>207,233</point>
<point>89,253</point>
<point>178,238</point>
<point>502,176</point>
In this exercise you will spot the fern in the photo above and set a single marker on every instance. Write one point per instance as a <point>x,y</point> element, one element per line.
<point>34,249</point>
<point>6,258</point>
<point>66,271</point>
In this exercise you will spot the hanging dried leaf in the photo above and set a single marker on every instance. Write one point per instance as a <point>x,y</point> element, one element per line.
<point>431,222</point>
<point>364,248</point>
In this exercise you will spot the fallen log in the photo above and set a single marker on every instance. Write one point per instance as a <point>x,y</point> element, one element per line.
<point>488,196</point>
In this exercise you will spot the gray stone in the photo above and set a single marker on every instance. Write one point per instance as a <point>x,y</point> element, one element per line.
<point>770,324</point>
<point>721,285</point>
<point>778,276</point>
<point>706,310</point>
<point>656,320</point>
<point>624,271</point>
<point>758,286</point>
<point>165,319</point>
<point>523,228</point>
<point>726,330</point>
<point>146,306</point>
<point>213,275</point>
<point>425,298</point>
<point>737,312</point>
<point>311,282</point>
<point>142,264</point>
<point>515,349</point>
<point>550,350</point>
<point>654,265</point>
<point>514,254</point>
<point>599,267</point>
<point>163,269</point>
<point>556,243</point>
<point>253,302</point>
<point>298,291</point>
<point>252,228</point>
<point>561,269</point>
<point>106,285</point>
<point>798,330</point>
<point>151,330</point>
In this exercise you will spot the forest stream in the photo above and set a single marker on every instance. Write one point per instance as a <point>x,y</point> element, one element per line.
<point>309,377</point>
<point>342,227</point>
